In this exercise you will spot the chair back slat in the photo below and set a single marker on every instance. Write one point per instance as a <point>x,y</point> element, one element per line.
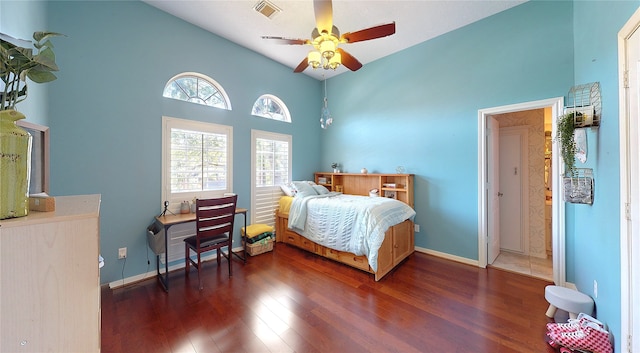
<point>215,216</point>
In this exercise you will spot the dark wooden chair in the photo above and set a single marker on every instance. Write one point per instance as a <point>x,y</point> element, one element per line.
<point>214,231</point>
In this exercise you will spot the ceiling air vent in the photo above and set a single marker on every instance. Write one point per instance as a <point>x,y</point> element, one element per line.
<point>266,8</point>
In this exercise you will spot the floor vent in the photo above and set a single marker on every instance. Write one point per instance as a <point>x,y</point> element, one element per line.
<point>267,9</point>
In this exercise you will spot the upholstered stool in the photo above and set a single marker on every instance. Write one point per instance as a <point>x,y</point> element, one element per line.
<point>568,300</point>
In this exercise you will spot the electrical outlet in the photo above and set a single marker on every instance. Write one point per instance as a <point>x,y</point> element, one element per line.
<point>122,253</point>
<point>595,288</point>
<point>416,228</point>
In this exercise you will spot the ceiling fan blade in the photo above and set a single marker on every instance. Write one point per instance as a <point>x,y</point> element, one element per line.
<point>282,40</point>
<point>303,65</point>
<point>324,15</point>
<point>349,61</point>
<point>369,33</point>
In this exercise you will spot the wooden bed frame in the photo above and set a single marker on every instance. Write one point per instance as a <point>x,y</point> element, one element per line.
<point>398,244</point>
<point>399,241</point>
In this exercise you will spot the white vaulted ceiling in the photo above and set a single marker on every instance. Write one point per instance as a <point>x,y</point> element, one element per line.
<point>416,22</point>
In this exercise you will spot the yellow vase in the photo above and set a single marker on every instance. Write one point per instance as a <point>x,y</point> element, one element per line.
<point>15,166</point>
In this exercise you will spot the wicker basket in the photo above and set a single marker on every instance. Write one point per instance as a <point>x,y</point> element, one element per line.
<point>260,247</point>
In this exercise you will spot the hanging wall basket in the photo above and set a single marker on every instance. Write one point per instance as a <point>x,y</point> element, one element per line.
<point>579,188</point>
<point>585,101</point>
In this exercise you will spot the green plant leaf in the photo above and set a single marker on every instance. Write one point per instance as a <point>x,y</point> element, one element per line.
<point>40,76</point>
<point>40,36</point>
<point>4,48</point>
<point>46,44</point>
<point>26,53</point>
<point>47,59</point>
<point>23,91</point>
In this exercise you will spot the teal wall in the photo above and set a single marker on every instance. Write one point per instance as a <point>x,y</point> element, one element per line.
<point>105,110</point>
<point>596,229</point>
<point>417,108</point>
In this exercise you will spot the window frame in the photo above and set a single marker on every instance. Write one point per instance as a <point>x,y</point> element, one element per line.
<point>277,191</point>
<point>211,81</point>
<point>169,123</point>
<point>279,102</point>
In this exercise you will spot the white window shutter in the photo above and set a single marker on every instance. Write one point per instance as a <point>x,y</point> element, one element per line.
<point>266,202</point>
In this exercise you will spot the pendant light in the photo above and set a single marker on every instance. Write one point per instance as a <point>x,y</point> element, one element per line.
<point>325,114</point>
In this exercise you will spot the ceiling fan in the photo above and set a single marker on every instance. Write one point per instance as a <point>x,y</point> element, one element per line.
<point>326,37</point>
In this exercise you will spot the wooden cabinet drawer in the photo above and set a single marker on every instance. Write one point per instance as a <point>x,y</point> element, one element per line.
<point>307,244</point>
<point>331,254</point>
<point>347,258</point>
<point>300,241</point>
<point>291,238</point>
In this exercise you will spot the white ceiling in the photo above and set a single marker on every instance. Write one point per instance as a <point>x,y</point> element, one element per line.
<point>416,22</point>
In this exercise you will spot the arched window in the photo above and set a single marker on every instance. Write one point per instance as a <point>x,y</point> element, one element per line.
<point>197,88</point>
<point>271,107</point>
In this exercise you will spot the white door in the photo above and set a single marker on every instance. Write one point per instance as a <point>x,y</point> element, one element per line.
<point>633,220</point>
<point>511,234</point>
<point>493,192</point>
<point>629,76</point>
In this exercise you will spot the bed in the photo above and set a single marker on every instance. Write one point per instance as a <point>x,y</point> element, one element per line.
<point>373,234</point>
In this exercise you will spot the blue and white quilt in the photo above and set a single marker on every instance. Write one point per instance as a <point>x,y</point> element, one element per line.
<point>347,222</point>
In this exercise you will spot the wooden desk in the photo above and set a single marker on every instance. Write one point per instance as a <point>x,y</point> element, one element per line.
<point>168,220</point>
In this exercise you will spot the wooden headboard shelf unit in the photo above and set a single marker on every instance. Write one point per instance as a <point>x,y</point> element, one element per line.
<point>400,185</point>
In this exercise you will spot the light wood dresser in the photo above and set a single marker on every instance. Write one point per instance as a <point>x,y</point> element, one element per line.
<point>50,278</point>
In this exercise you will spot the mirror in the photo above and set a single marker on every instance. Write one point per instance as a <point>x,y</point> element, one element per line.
<point>39,179</point>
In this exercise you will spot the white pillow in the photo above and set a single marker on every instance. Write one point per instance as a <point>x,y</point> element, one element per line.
<point>289,189</point>
<point>304,188</point>
<point>321,190</point>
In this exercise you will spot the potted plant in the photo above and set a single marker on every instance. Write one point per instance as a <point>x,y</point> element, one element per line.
<point>19,61</point>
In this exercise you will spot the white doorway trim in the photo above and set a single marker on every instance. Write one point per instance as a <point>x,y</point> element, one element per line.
<point>558,214</point>
<point>629,197</point>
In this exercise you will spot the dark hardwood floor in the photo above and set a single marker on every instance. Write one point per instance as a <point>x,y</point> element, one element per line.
<point>289,300</point>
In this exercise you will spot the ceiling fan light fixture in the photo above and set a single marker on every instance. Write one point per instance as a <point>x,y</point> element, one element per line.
<point>314,58</point>
<point>325,39</point>
<point>335,61</point>
<point>327,48</point>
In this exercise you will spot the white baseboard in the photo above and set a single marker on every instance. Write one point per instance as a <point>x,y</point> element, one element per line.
<point>137,278</point>
<point>464,260</point>
<point>446,256</point>
<point>133,279</point>
<point>143,276</point>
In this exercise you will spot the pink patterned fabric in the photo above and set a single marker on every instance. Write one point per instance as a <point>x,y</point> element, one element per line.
<point>572,324</point>
<point>589,337</point>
